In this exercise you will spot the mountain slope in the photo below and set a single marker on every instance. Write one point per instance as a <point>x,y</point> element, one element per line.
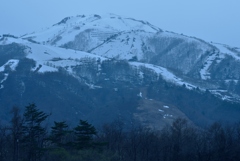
<point>109,67</point>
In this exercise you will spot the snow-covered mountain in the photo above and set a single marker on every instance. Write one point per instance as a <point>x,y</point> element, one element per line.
<point>109,54</point>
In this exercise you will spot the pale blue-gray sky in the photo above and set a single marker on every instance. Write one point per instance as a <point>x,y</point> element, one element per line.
<point>211,20</point>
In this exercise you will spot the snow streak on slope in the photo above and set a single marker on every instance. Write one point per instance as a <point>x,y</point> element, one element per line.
<point>224,49</point>
<point>204,73</point>
<point>11,64</point>
<point>4,79</point>
<point>164,73</point>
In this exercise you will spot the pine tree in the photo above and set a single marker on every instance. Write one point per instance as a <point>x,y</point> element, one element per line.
<point>59,133</point>
<point>34,132</point>
<point>84,135</point>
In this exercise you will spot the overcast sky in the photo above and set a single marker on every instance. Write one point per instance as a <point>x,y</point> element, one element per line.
<point>211,20</point>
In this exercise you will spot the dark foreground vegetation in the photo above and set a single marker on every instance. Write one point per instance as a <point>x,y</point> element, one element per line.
<point>28,138</point>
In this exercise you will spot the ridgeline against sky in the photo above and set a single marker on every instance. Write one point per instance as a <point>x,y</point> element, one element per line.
<point>213,20</point>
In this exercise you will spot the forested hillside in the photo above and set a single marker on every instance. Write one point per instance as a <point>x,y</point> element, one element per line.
<point>30,137</point>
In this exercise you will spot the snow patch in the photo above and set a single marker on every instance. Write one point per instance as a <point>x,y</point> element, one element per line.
<point>141,74</point>
<point>92,86</point>
<point>12,63</point>
<point>4,79</point>
<point>140,94</point>
<point>231,80</point>
<point>223,94</point>
<point>167,115</point>
<point>45,68</point>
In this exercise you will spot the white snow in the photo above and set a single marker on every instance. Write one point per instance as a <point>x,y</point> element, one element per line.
<point>10,40</point>
<point>166,106</point>
<point>141,75</point>
<point>223,94</point>
<point>204,73</point>
<point>12,63</point>
<point>167,115</point>
<point>45,52</point>
<point>225,97</point>
<point>116,22</point>
<point>45,68</point>
<point>4,79</point>
<point>167,75</point>
<point>223,49</point>
<point>50,58</point>
<point>101,29</point>
<point>125,46</point>
<point>92,86</point>
<point>75,25</point>
<point>231,80</point>
<point>140,94</point>
<point>2,68</point>
<point>188,39</point>
<point>175,35</point>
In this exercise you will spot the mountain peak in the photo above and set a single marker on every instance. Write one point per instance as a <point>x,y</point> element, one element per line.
<point>110,20</point>
<point>97,26</point>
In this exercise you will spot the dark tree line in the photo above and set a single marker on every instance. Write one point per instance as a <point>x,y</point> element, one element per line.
<point>179,142</point>
<point>28,138</point>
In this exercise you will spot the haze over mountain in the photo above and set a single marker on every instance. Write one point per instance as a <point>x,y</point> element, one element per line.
<point>106,67</point>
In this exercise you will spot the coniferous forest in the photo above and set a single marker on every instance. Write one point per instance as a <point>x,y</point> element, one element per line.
<point>29,137</point>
